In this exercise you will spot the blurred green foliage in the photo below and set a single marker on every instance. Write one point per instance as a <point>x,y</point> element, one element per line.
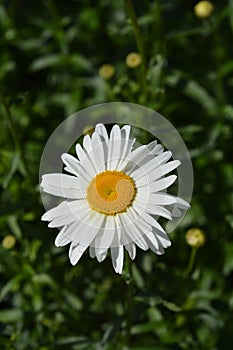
<point>51,52</point>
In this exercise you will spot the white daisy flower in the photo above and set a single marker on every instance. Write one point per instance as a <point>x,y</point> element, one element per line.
<point>113,197</point>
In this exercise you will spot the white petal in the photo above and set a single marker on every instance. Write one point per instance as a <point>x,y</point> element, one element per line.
<point>162,237</point>
<point>75,230</point>
<point>101,130</point>
<point>164,157</point>
<point>87,167</point>
<point>153,209</point>
<point>61,239</point>
<point>134,159</point>
<point>101,254</point>
<point>65,208</point>
<point>99,152</point>
<point>63,220</point>
<point>133,230</point>
<point>87,144</point>
<point>152,221</point>
<point>60,180</point>
<point>90,228</point>
<point>92,251</point>
<point>72,246</point>
<point>161,198</point>
<point>182,204</point>
<point>125,132</point>
<point>152,241</point>
<point>126,145</point>
<point>155,148</point>
<point>160,251</point>
<point>176,213</point>
<point>106,234</point>
<point>70,193</point>
<point>117,254</point>
<point>158,172</point>
<point>151,165</point>
<point>72,164</point>
<point>80,153</point>
<point>141,156</point>
<point>160,185</point>
<point>70,213</point>
<point>76,253</point>
<point>75,167</point>
<point>117,238</point>
<point>114,148</point>
<point>131,248</point>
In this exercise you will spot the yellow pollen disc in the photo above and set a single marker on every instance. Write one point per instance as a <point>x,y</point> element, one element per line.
<point>111,192</point>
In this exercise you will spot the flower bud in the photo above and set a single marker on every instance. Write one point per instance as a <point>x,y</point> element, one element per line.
<point>195,237</point>
<point>203,9</point>
<point>8,242</point>
<point>133,60</point>
<point>106,71</point>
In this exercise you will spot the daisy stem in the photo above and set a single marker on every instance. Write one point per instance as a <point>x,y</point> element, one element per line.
<point>129,299</point>
<point>14,134</point>
<point>140,46</point>
<point>191,261</point>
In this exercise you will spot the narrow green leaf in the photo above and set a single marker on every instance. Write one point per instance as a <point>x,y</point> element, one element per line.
<point>14,226</point>
<point>10,286</point>
<point>195,91</point>
<point>12,170</point>
<point>11,315</point>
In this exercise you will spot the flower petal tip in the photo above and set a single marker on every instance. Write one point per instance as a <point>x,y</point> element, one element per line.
<point>45,217</point>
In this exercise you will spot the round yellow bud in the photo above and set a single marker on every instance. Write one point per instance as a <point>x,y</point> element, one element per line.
<point>8,242</point>
<point>133,60</point>
<point>203,9</point>
<point>195,237</point>
<point>106,71</point>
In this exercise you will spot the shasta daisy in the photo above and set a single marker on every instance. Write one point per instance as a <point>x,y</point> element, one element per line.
<point>113,196</point>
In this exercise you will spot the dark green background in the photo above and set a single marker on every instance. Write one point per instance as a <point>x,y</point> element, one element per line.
<point>50,54</point>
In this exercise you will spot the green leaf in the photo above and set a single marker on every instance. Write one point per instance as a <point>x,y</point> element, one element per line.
<point>149,348</point>
<point>155,72</point>
<point>146,327</point>
<point>73,300</point>
<point>11,316</point>
<point>12,170</point>
<point>72,340</point>
<point>14,226</point>
<point>47,61</point>
<point>77,62</point>
<point>228,111</point>
<point>226,69</point>
<point>228,264</point>
<point>10,286</point>
<point>230,13</point>
<point>171,306</point>
<point>34,249</point>
<point>190,129</point>
<point>229,219</point>
<point>195,91</point>
<point>42,278</point>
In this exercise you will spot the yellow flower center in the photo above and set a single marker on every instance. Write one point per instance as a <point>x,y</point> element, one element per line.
<point>111,192</point>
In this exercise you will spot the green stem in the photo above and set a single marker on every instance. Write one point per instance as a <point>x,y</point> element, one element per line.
<point>160,50</point>
<point>191,261</point>
<point>140,46</point>
<point>58,30</point>
<point>129,299</point>
<point>158,27</point>
<point>14,134</point>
